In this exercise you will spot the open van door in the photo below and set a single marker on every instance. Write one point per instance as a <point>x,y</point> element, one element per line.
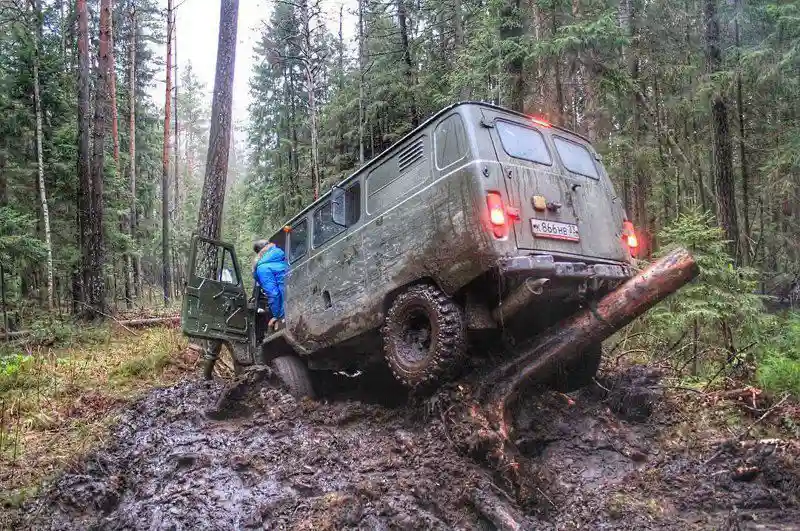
<point>214,299</point>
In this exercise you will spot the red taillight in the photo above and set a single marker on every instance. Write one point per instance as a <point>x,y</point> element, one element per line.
<point>497,212</point>
<point>629,236</point>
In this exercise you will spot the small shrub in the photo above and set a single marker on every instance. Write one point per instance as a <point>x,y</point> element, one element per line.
<point>135,368</point>
<point>14,374</point>
<point>779,366</point>
<point>779,374</point>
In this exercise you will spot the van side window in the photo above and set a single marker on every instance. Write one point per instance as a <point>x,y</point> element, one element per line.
<point>450,140</point>
<point>575,157</point>
<point>324,227</point>
<point>353,213</point>
<point>523,142</point>
<point>298,241</point>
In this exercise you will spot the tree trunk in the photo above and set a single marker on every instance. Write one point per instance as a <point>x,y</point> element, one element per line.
<point>176,197</point>
<point>511,29</point>
<point>402,17</point>
<point>94,287</point>
<point>165,262</point>
<point>133,289</point>
<point>84,170</point>
<point>558,118</point>
<point>311,89</point>
<point>112,91</point>
<point>723,154</point>
<point>745,244</point>
<point>362,71</point>
<point>465,91</point>
<point>48,242</point>
<point>209,220</point>
<point>561,344</point>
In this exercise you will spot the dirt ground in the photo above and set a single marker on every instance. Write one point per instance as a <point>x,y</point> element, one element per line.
<point>624,454</point>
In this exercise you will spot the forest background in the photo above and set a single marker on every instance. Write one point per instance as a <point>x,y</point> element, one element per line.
<point>692,104</point>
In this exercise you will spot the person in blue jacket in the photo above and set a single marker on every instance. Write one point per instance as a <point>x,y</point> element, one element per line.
<point>270,271</point>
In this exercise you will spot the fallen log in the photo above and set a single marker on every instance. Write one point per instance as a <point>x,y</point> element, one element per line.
<point>15,335</point>
<point>152,321</point>
<point>565,342</point>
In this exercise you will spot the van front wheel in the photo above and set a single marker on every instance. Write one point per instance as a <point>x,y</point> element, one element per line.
<point>424,335</point>
<point>293,372</point>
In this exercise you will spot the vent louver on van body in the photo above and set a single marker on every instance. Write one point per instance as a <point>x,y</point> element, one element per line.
<point>410,155</point>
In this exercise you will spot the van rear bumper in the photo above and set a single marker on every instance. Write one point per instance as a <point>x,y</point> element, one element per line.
<point>545,265</point>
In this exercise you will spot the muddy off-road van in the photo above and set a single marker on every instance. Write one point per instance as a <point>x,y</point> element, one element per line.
<point>480,223</point>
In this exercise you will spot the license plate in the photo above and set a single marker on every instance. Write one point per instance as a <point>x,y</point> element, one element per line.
<point>555,230</point>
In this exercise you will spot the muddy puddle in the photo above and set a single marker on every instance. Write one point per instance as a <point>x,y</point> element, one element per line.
<point>366,460</point>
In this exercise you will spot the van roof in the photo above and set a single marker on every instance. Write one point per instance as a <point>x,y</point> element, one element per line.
<point>411,133</point>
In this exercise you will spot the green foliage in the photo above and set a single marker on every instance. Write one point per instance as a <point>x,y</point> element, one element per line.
<point>779,368</point>
<point>138,367</point>
<point>722,294</point>
<point>13,373</point>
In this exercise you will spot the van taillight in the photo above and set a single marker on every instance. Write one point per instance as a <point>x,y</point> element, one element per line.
<point>629,236</point>
<point>497,213</point>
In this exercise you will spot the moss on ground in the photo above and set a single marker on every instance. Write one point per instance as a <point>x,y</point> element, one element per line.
<point>58,403</point>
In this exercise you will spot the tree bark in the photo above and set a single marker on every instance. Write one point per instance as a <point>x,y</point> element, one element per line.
<point>133,289</point>
<point>84,169</point>
<point>165,262</point>
<point>311,90</point>
<point>48,242</point>
<point>176,196</point>
<point>362,71</point>
<point>745,244</point>
<point>723,153</point>
<point>511,29</point>
<point>209,221</point>
<point>112,91</point>
<point>402,18</point>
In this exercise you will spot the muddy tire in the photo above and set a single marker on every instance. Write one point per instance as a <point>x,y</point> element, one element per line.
<point>293,372</point>
<point>424,335</point>
<point>574,376</point>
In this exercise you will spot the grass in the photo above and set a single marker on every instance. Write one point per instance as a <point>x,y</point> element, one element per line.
<point>57,403</point>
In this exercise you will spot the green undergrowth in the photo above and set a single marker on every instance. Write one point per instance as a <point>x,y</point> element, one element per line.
<point>58,402</point>
<point>715,332</point>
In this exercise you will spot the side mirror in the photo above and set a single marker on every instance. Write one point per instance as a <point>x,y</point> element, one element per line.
<point>339,206</point>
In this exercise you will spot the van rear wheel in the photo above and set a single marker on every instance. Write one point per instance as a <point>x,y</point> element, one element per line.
<point>424,335</point>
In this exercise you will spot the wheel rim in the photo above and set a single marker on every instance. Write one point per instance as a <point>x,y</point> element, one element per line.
<point>416,336</point>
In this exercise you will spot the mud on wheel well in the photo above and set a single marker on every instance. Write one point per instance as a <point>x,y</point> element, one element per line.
<point>392,295</point>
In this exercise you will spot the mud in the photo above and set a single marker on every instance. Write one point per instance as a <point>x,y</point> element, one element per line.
<point>364,459</point>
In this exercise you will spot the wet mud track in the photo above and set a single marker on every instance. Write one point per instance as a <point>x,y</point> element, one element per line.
<point>595,460</point>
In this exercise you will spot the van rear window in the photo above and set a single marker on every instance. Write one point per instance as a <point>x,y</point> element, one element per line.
<point>575,157</point>
<point>523,142</point>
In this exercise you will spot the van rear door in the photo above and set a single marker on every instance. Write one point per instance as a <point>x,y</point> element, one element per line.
<point>565,201</point>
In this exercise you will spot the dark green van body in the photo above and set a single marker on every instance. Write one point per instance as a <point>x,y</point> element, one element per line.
<point>419,213</point>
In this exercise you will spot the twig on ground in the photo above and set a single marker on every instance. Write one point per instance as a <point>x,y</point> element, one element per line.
<point>109,316</point>
<point>747,431</point>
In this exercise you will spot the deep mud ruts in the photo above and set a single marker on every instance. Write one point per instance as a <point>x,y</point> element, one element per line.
<point>598,463</point>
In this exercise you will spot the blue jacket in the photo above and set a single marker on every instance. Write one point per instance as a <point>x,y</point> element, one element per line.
<point>270,272</point>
